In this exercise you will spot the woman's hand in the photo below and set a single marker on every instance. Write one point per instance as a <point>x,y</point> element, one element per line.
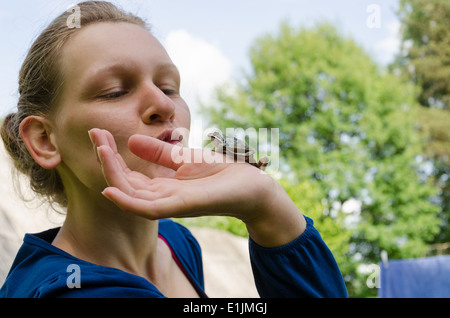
<point>204,184</point>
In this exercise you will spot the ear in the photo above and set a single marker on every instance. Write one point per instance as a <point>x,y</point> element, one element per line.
<point>35,132</point>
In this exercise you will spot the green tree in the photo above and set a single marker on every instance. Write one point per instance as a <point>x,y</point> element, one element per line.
<point>425,61</point>
<point>426,48</point>
<point>308,197</point>
<point>346,127</point>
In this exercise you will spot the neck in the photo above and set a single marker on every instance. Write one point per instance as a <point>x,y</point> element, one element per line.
<point>99,232</point>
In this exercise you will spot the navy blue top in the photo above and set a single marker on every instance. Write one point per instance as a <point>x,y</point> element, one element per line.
<point>302,268</point>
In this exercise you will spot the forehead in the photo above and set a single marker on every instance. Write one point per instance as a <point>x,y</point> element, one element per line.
<point>98,45</point>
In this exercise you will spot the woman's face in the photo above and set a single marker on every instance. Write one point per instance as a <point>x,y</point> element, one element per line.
<point>118,77</point>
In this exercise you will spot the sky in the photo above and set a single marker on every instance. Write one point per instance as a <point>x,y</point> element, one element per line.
<point>207,40</point>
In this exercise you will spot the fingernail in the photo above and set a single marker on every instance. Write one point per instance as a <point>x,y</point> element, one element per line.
<point>100,156</point>
<point>90,137</point>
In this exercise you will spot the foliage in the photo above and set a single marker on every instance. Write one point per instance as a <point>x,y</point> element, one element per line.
<point>434,126</point>
<point>348,129</point>
<point>426,48</point>
<point>308,196</point>
<point>223,223</point>
<point>425,60</point>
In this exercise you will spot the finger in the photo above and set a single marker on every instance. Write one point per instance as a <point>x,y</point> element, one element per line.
<point>110,140</point>
<point>93,137</point>
<point>122,163</point>
<point>145,207</point>
<point>171,156</point>
<point>114,172</point>
<point>159,152</point>
<point>100,137</point>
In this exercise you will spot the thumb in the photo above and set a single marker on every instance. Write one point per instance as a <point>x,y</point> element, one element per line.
<point>159,152</point>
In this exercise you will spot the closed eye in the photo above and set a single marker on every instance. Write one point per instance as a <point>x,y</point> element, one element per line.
<point>169,91</point>
<point>114,95</point>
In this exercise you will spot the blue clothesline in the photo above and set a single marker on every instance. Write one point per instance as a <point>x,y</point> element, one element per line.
<point>427,277</point>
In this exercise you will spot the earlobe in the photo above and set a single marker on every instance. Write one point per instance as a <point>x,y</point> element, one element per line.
<point>35,132</point>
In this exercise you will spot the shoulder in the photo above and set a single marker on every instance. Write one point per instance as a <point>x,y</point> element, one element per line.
<point>177,235</point>
<point>81,280</point>
<point>42,270</point>
<point>184,246</point>
<point>34,265</point>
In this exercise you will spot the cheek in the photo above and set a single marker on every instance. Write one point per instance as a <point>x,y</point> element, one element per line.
<point>183,118</point>
<point>73,127</point>
<point>186,117</point>
<point>79,161</point>
<point>78,154</point>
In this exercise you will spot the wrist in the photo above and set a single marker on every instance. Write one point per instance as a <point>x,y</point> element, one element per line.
<point>278,221</point>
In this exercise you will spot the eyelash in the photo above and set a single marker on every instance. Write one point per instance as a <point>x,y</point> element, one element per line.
<point>169,91</point>
<point>116,95</point>
<point>113,95</point>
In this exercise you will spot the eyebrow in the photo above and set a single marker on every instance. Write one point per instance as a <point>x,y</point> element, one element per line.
<point>171,68</point>
<point>111,68</point>
<point>119,67</point>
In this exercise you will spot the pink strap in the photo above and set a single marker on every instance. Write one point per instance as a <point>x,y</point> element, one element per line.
<point>200,292</point>
<point>175,257</point>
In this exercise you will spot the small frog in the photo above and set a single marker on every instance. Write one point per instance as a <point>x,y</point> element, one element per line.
<point>237,149</point>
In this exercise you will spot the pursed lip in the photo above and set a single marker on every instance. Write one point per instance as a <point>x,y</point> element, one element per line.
<point>170,136</point>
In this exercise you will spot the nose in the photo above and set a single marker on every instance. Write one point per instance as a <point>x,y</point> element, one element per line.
<point>157,107</point>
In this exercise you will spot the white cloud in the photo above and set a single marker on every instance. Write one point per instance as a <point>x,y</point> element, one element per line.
<point>390,45</point>
<point>201,64</point>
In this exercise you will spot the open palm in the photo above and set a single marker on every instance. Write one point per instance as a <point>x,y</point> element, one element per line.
<point>208,187</point>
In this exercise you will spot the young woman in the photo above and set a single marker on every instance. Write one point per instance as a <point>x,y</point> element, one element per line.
<point>97,110</point>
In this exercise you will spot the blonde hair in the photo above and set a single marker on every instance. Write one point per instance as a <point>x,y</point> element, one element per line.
<point>40,81</point>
